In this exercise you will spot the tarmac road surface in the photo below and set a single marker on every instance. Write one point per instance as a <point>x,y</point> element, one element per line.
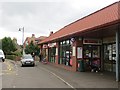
<point>15,76</point>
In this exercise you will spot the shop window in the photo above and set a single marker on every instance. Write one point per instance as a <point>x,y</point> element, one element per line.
<point>91,55</point>
<point>109,57</point>
<point>52,54</point>
<point>65,52</point>
<point>109,52</point>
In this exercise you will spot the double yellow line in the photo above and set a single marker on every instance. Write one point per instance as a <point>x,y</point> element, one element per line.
<point>9,68</point>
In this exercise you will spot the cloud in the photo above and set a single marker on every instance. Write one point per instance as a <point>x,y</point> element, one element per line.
<point>36,17</point>
<point>42,16</point>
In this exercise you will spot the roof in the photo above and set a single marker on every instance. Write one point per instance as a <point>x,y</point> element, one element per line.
<point>101,17</point>
<point>41,38</point>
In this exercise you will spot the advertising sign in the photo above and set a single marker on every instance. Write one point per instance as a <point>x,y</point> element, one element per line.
<point>79,52</point>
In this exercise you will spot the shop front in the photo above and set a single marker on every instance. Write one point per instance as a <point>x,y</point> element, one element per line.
<point>44,52</point>
<point>109,54</point>
<point>52,52</point>
<point>65,52</point>
<point>102,51</point>
<point>92,53</point>
<point>96,42</point>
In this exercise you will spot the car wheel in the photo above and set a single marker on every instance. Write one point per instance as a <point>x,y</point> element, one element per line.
<point>3,60</point>
<point>33,65</point>
<point>22,65</point>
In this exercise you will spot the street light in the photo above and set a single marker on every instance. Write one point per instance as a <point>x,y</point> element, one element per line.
<point>22,29</point>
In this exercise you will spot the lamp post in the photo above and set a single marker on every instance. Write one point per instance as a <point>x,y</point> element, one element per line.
<point>22,29</point>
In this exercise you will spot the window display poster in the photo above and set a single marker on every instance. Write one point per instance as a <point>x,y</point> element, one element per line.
<point>79,52</point>
<point>56,51</point>
<point>74,51</point>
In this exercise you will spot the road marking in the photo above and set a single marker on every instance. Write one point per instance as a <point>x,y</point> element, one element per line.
<point>1,74</point>
<point>63,80</point>
<point>10,69</point>
<point>59,78</point>
<point>14,86</point>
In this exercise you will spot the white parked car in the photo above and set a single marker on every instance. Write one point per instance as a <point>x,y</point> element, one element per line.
<point>2,56</point>
<point>27,59</point>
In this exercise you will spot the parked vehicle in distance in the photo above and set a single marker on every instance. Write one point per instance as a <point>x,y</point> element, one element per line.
<point>27,59</point>
<point>2,56</point>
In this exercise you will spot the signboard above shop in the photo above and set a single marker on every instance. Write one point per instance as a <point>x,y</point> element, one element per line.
<point>52,45</point>
<point>92,41</point>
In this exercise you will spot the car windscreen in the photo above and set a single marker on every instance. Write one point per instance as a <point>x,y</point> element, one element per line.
<point>27,57</point>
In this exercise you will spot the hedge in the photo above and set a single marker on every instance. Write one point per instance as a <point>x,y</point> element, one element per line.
<point>12,57</point>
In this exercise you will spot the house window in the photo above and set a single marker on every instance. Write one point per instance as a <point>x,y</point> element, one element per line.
<point>65,52</point>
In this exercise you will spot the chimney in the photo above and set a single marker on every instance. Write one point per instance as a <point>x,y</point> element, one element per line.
<point>33,35</point>
<point>51,33</point>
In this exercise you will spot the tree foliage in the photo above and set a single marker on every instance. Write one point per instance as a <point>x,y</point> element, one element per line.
<point>8,45</point>
<point>0,44</point>
<point>32,48</point>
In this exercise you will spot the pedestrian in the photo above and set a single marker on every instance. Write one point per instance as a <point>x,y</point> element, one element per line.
<point>44,60</point>
<point>95,66</point>
<point>33,55</point>
<point>40,56</point>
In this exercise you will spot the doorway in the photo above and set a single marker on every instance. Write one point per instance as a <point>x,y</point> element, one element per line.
<point>91,53</point>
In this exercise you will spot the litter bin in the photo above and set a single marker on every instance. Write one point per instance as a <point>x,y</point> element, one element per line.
<point>81,66</point>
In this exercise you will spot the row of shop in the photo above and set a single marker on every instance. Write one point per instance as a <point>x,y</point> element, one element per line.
<point>97,41</point>
<point>87,50</point>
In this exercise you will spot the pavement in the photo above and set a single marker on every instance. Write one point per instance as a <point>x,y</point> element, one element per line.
<point>0,75</point>
<point>84,79</point>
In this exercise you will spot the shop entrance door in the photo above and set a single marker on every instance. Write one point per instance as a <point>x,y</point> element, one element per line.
<point>91,54</point>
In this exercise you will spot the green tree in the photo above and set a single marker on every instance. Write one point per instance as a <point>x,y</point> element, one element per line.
<point>32,48</point>
<point>8,45</point>
<point>0,44</point>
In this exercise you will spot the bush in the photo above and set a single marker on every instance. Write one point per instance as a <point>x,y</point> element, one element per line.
<point>17,53</point>
<point>11,57</point>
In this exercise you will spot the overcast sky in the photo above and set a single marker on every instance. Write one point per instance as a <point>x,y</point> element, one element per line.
<point>39,17</point>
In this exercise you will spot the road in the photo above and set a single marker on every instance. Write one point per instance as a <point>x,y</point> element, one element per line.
<point>0,75</point>
<point>12,75</point>
<point>15,76</point>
